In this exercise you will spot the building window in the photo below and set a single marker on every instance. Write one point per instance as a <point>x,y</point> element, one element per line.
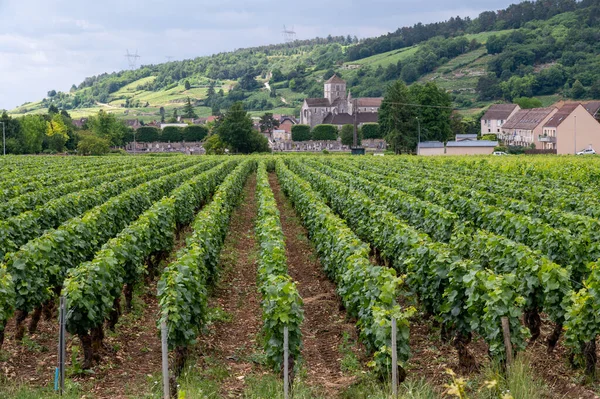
<point>489,130</point>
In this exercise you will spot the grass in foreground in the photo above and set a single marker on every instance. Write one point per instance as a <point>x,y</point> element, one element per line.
<point>11,390</point>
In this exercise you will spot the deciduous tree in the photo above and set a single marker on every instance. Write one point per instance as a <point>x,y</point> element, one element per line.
<point>396,120</point>
<point>237,133</point>
<point>267,123</point>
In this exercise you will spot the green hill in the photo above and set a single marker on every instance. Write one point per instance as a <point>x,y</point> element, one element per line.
<point>546,49</point>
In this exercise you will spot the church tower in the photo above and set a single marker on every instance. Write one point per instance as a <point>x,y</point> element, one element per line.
<point>335,88</point>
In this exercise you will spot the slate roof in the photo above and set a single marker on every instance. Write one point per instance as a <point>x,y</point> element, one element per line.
<point>592,107</point>
<point>335,79</point>
<point>527,119</point>
<point>370,101</point>
<point>317,102</point>
<point>472,143</point>
<point>347,119</point>
<point>499,112</point>
<point>431,144</point>
<point>561,115</point>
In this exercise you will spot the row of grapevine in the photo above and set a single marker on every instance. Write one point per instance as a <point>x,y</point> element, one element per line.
<point>182,288</point>
<point>18,230</point>
<point>74,182</point>
<point>368,292</point>
<point>39,267</point>
<point>561,197</point>
<point>586,228</point>
<point>430,267</point>
<point>24,180</point>
<point>281,302</point>
<point>557,243</point>
<point>92,288</point>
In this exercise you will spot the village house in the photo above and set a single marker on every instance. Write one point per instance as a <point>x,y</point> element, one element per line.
<point>495,117</point>
<point>80,122</point>
<point>571,129</point>
<point>338,107</point>
<point>470,147</point>
<point>593,107</point>
<point>286,123</point>
<point>133,123</point>
<point>460,146</point>
<point>525,126</point>
<point>429,148</point>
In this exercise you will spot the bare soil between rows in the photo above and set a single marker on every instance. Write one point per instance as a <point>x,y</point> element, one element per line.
<point>324,320</point>
<point>235,342</point>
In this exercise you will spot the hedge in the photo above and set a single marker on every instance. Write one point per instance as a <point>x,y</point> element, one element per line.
<point>195,133</point>
<point>172,134</point>
<point>300,132</point>
<point>147,134</point>
<point>371,131</point>
<point>324,132</point>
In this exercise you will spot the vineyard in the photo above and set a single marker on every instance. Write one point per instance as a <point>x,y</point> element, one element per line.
<point>488,267</point>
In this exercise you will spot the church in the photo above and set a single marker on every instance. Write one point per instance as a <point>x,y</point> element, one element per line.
<point>339,108</point>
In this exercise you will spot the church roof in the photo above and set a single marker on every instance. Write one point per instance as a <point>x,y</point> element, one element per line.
<point>317,102</point>
<point>347,119</point>
<point>335,79</point>
<point>370,101</point>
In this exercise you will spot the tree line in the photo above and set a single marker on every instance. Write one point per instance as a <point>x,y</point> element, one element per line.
<point>513,17</point>
<point>54,132</point>
<point>546,57</point>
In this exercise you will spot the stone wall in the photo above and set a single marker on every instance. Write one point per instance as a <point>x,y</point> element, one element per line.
<point>190,148</point>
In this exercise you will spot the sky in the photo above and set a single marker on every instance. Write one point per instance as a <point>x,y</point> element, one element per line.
<point>50,45</point>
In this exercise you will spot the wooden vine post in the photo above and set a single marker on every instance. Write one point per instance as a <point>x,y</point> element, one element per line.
<point>507,343</point>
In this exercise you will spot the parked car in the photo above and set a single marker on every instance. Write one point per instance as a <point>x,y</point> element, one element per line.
<point>587,151</point>
<point>499,153</point>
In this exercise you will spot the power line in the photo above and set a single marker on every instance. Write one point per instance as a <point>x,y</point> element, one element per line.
<point>420,105</point>
<point>132,58</point>
<point>289,35</point>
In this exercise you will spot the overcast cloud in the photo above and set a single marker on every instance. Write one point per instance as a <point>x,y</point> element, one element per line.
<point>52,44</point>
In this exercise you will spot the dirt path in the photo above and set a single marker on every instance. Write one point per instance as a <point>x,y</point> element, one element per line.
<point>324,323</point>
<point>236,341</point>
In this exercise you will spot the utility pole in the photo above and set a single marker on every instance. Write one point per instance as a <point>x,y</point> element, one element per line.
<point>419,143</point>
<point>355,135</point>
<point>4,137</point>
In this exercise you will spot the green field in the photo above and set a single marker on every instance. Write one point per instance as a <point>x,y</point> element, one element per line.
<point>384,59</point>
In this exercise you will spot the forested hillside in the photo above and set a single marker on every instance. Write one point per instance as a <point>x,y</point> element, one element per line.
<point>547,48</point>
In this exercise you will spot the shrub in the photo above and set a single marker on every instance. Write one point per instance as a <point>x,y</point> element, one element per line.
<point>371,131</point>
<point>300,132</point>
<point>347,135</point>
<point>324,132</point>
<point>90,144</point>
<point>214,145</point>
